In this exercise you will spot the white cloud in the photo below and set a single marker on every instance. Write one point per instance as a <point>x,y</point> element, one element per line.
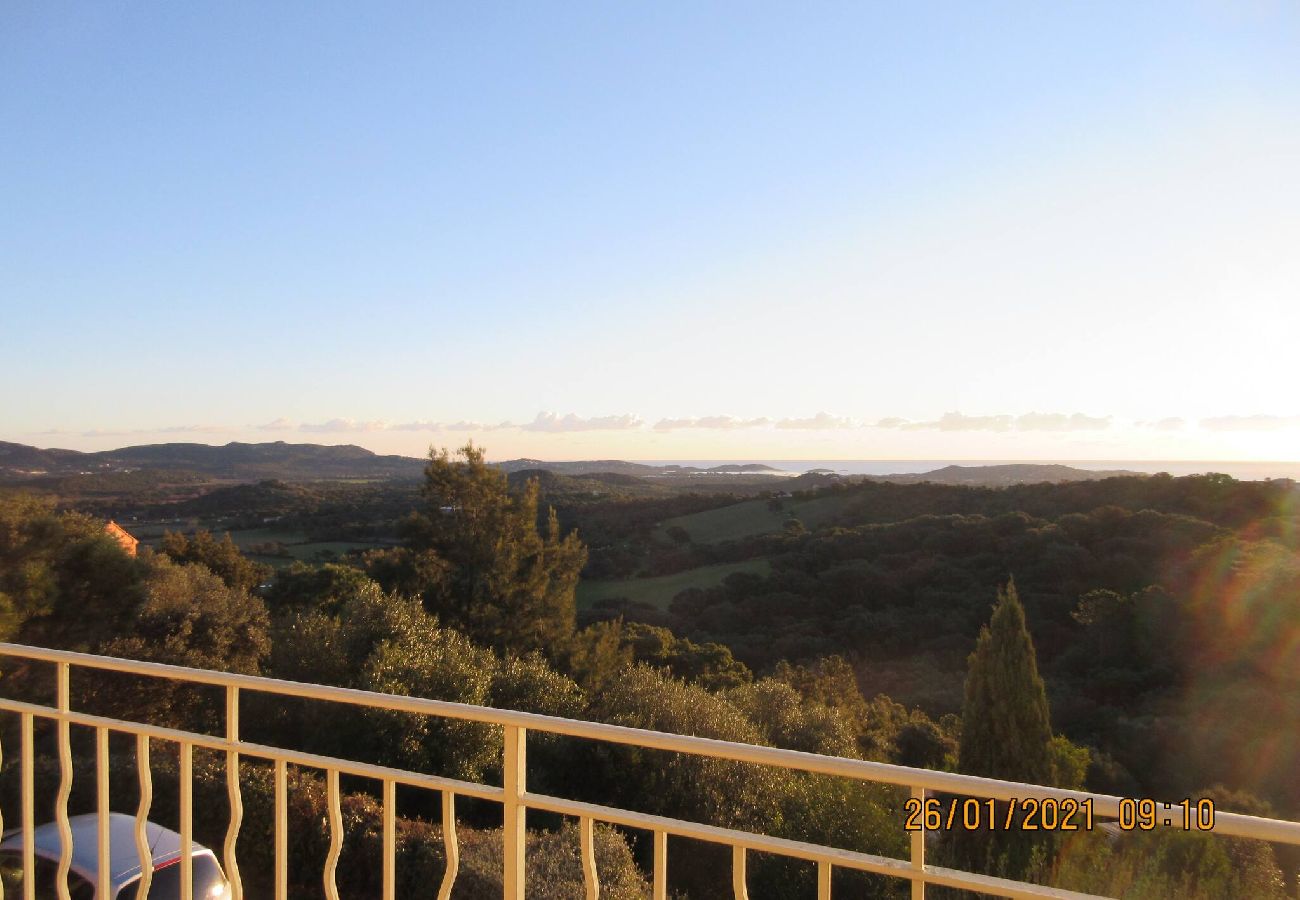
<point>1250,423</point>
<point>280,424</point>
<point>1033,421</point>
<point>955,421</point>
<point>716,422</point>
<point>477,426</point>
<point>424,425</point>
<point>418,426</point>
<point>1061,422</point>
<point>341,426</point>
<point>818,422</point>
<point>551,422</point>
<point>191,429</point>
<point>1171,423</point>
<point>129,432</point>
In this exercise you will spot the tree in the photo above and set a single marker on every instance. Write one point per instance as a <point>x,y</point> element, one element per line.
<point>222,557</point>
<point>380,642</point>
<point>324,588</point>
<point>63,581</point>
<point>679,535</point>
<point>509,580</point>
<point>710,665</point>
<point>1006,729</point>
<point>184,615</point>
<point>1006,726</point>
<point>598,654</point>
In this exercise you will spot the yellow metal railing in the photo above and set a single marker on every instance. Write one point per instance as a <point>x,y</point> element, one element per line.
<point>513,794</point>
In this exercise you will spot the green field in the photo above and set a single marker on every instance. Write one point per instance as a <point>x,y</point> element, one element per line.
<point>661,590</point>
<point>312,551</point>
<point>752,517</point>
<point>296,544</point>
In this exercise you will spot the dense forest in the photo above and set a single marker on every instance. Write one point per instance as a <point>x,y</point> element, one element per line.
<point>1153,622</point>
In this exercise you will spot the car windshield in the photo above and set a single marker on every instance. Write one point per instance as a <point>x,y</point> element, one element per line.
<point>46,874</point>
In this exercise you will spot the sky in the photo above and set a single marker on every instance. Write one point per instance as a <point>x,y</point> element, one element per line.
<point>655,231</point>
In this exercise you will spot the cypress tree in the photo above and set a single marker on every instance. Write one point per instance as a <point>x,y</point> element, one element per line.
<point>1006,733</point>
<point>1006,726</point>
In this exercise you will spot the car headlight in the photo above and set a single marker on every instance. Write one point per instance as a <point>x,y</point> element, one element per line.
<point>219,891</point>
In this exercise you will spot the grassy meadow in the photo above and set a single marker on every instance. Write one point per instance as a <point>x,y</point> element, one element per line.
<point>661,590</point>
<point>753,517</point>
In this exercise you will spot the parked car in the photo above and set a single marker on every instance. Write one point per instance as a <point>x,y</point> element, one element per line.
<point>209,881</point>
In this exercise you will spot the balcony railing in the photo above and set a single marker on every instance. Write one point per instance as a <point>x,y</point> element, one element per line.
<point>513,794</point>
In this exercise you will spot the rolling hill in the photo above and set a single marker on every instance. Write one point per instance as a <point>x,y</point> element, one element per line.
<point>233,461</point>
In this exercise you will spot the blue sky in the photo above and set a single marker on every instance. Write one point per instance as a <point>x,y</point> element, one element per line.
<point>1003,230</point>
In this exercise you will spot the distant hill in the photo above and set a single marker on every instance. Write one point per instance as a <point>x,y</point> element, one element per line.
<point>644,470</point>
<point>233,461</point>
<point>1002,475</point>
<point>579,467</point>
<point>263,498</point>
<point>596,485</point>
<point>317,462</point>
<point>19,459</point>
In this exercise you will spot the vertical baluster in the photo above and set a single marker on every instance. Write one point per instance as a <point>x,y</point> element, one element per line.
<point>661,866</point>
<point>336,835</point>
<point>145,775</point>
<point>918,849</point>
<point>823,881</point>
<point>590,877</point>
<point>515,778</point>
<point>235,795</point>
<point>738,879</point>
<point>103,868</point>
<point>187,820</point>
<point>281,831</point>
<point>64,703</point>
<point>450,844</point>
<point>29,808</point>
<point>390,839</point>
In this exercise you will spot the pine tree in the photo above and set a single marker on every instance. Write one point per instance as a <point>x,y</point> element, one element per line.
<point>506,577</point>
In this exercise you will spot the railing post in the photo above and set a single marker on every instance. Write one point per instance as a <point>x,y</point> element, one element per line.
<point>513,834</point>
<point>390,839</point>
<point>187,819</point>
<point>451,846</point>
<point>281,830</point>
<point>234,795</point>
<point>739,877</point>
<point>590,875</point>
<point>29,807</point>
<point>63,699</point>
<point>144,773</point>
<point>103,872</point>
<point>333,796</point>
<point>918,848</point>
<point>660,885</point>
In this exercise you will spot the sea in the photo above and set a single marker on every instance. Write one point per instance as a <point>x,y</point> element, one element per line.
<point>1243,471</point>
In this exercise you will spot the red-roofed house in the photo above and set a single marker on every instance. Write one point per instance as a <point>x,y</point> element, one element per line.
<point>122,536</point>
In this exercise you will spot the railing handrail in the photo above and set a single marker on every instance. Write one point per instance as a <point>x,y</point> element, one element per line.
<point>1104,805</point>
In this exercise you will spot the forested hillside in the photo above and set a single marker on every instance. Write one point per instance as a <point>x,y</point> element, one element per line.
<point>1161,614</point>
